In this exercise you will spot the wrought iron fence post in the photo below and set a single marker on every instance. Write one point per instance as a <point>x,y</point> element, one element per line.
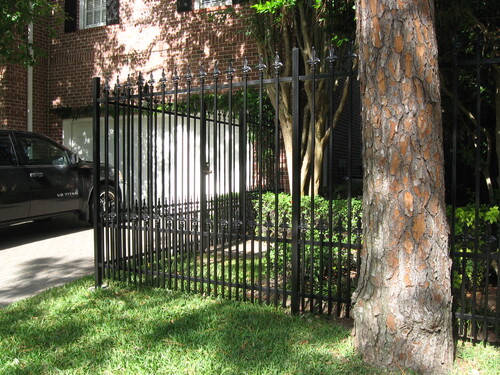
<point>204,168</point>
<point>98,249</point>
<point>295,182</point>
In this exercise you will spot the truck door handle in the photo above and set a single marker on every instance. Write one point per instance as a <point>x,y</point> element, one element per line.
<point>36,174</point>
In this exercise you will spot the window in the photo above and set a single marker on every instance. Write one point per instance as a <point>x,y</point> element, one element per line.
<point>92,13</point>
<point>84,14</point>
<point>6,151</point>
<point>200,4</point>
<point>189,5</point>
<point>41,152</point>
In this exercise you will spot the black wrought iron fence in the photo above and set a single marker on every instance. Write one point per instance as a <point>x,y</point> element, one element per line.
<point>473,192</point>
<point>207,200</point>
<point>210,199</point>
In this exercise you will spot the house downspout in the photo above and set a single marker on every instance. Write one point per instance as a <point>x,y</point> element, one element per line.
<point>29,90</point>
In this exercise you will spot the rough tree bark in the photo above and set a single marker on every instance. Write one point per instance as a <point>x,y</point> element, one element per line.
<point>402,313</point>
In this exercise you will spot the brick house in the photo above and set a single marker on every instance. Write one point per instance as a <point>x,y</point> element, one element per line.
<point>110,39</point>
<point>116,38</point>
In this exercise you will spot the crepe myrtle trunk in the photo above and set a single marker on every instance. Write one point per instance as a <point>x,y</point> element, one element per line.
<point>402,312</point>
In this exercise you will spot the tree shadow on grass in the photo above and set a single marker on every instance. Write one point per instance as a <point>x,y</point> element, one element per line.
<point>143,331</point>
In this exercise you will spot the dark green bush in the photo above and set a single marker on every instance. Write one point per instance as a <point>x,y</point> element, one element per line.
<point>465,272</point>
<point>324,237</point>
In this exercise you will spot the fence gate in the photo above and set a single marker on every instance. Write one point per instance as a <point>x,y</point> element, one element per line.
<point>200,188</point>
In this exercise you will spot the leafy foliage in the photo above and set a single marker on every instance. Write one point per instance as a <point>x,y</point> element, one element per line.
<point>15,18</point>
<point>326,249</point>
<point>465,218</point>
<point>469,269</point>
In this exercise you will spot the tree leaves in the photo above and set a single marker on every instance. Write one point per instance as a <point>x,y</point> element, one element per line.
<point>16,17</point>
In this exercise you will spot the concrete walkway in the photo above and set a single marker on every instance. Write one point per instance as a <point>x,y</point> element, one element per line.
<point>37,256</point>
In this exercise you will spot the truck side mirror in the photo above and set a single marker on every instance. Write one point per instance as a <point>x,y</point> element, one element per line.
<point>73,159</point>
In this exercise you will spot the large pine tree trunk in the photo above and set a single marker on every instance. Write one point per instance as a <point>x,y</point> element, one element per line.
<point>402,313</point>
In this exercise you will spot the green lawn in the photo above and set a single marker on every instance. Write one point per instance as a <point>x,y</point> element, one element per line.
<point>125,330</point>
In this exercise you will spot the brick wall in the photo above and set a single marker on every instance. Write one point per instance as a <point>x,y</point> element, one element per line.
<point>41,86</point>
<point>14,91</point>
<point>151,36</point>
<point>3,97</point>
<point>13,99</point>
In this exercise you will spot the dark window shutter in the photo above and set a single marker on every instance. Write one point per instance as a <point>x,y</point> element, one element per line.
<point>112,12</point>
<point>70,7</point>
<point>184,5</point>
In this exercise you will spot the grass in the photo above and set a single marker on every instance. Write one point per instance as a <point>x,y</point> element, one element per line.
<point>127,330</point>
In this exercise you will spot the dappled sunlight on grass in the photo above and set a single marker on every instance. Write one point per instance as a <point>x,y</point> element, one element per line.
<point>125,330</point>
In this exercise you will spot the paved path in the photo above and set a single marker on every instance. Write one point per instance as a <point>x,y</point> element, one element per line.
<point>37,256</point>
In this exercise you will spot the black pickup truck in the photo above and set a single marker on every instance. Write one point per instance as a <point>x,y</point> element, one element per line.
<point>40,179</point>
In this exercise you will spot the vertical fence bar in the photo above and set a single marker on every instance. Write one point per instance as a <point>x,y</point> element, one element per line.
<point>116,147</point>
<point>349,182</point>
<point>454,182</point>
<point>243,173</point>
<point>123,211</point>
<point>150,183</point>
<point>475,254</point>
<point>313,61</point>
<point>331,107</point>
<point>96,126</point>
<point>162,232</point>
<point>190,197</point>
<point>129,180</point>
<point>203,177</point>
<point>261,68</point>
<point>296,139</point>
<point>277,154</point>
<point>174,191</point>
<point>230,226</point>
<point>105,210</point>
<point>140,155</point>
<point>216,174</point>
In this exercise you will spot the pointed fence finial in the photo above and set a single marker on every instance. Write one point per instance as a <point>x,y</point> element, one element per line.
<point>128,83</point>
<point>277,65</point>
<point>203,74</point>
<point>175,75</point>
<point>230,69</point>
<point>140,79</point>
<point>314,60</point>
<point>352,54</point>
<point>246,68</point>
<point>216,71</point>
<point>106,86</point>
<point>261,66</point>
<point>189,74</point>
<point>151,81</point>
<point>163,79</point>
<point>118,86</point>
<point>456,42</point>
<point>332,57</point>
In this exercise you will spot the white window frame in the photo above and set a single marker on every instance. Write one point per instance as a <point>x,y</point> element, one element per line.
<point>203,4</point>
<point>83,15</point>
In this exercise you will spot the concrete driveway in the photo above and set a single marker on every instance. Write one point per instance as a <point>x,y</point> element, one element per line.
<point>37,256</point>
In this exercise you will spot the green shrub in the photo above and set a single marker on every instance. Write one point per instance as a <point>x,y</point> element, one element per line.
<point>323,242</point>
<point>465,272</point>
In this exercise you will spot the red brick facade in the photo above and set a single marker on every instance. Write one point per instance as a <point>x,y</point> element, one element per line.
<point>13,97</point>
<point>150,36</point>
